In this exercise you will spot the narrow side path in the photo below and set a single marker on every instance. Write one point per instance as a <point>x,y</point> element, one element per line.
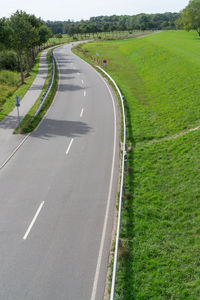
<point>8,141</point>
<point>169,138</point>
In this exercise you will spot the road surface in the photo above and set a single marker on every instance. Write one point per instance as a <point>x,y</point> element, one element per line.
<point>8,141</point>
<point>58,193</point>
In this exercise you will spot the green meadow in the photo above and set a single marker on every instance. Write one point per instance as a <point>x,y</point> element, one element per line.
<point>159,253</point>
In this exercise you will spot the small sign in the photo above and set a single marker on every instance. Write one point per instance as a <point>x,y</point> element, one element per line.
<point>97,54</point>
<point>17,101</point>
<point>105,61</point>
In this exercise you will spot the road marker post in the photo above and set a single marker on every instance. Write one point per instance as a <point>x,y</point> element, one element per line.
<point>105,63</point>
<point>17,102</point>
<point>97,55</point>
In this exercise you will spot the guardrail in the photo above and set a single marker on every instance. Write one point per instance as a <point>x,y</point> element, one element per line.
<point>121,186</point>
<point>45,94</point>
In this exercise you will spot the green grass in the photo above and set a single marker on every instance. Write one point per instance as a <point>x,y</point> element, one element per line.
<point>64,39</point>
<point>159,253</point>
<point>10,87</point>
<point>157,76</point>
<point>29,123</point>
<point>9,82</point>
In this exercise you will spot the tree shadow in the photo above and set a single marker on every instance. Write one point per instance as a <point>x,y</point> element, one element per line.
<point>44,71</point>
<point>51,128</point>
<point>68,71</point>
<point>9,122</point>
<point>36,87</point>
<point>69,87</point>
<point>66,77</point>
<point>64,61</point>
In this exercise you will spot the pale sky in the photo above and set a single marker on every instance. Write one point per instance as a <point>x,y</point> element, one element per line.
<point>77,9</point>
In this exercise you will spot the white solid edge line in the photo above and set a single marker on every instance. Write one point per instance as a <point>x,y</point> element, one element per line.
<point>13,153</point>
<point>33,221</point>
<point>84,93</point>
<point>69,146</point>
<point>96,278</point>
<point>81,114</point>
<point>17,148</point>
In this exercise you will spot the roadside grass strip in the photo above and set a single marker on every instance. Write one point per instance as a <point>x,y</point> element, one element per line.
<point>159,253</point>
<point>29,123</point>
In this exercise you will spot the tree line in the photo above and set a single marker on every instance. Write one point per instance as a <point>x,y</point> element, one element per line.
<point>190,17</point>
<point>115,23</point>
<point>23,34</point>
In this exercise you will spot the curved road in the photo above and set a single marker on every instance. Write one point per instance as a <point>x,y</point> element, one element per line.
<point>57,194</point>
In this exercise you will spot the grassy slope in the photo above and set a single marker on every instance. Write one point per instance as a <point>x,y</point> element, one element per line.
<point>30,122</point>
<point>160,235</point>
<point>10,87</point>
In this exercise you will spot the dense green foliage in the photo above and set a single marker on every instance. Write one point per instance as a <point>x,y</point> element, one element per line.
<point>23,34</point>
<point>115,23</point>
<point>9,81</point>
<point>190,16</point>
<point>159,245</point>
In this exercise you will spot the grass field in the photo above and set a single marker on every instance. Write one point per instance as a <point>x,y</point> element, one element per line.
<point>159,254</point>
<point>10,87</point>
<point>65,38</point>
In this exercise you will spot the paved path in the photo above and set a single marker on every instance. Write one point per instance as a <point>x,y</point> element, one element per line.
<point>8,141</point>
<point>58,193</point>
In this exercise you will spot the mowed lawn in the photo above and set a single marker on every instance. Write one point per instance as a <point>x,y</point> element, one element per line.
<point>159,255</point>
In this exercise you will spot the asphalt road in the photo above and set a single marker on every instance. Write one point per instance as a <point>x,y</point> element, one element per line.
<point>57,194</point>
<point>8,141</point>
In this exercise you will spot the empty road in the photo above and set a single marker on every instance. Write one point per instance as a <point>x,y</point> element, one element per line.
<point>58,193</point>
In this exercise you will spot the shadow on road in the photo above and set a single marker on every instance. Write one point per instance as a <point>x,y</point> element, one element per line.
<point>10,122</point>
<point>68,71</point>
<point>69,87</point>
<point>36,87</point>
<point>66,77</point>
<point>51,128</point>
<point>64,61</point>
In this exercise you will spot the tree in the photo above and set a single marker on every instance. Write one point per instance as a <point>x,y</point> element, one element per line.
<point>21,33</point>
<point>4,33</point>
<point>44,34</point>
<point>27,32</point>
<point>190,16</point>
<point>58,36</point>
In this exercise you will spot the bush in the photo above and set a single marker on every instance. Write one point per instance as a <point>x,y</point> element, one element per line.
<point>58,36</point>
<point>9,61</point>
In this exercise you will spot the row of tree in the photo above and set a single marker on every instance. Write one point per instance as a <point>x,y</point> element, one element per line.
<point>190,17</point>
<point>115,23</point>
<point>23,33</point>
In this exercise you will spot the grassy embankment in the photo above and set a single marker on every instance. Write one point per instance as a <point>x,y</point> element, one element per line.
<point>159,255</point>
<point>10,86</point>
<point>30,122</point>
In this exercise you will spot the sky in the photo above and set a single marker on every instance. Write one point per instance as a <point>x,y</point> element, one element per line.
<point>76,9</point>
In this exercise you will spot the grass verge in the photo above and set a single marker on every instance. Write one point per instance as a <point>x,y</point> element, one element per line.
<point>29,123</point>
<point>159,240</point>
